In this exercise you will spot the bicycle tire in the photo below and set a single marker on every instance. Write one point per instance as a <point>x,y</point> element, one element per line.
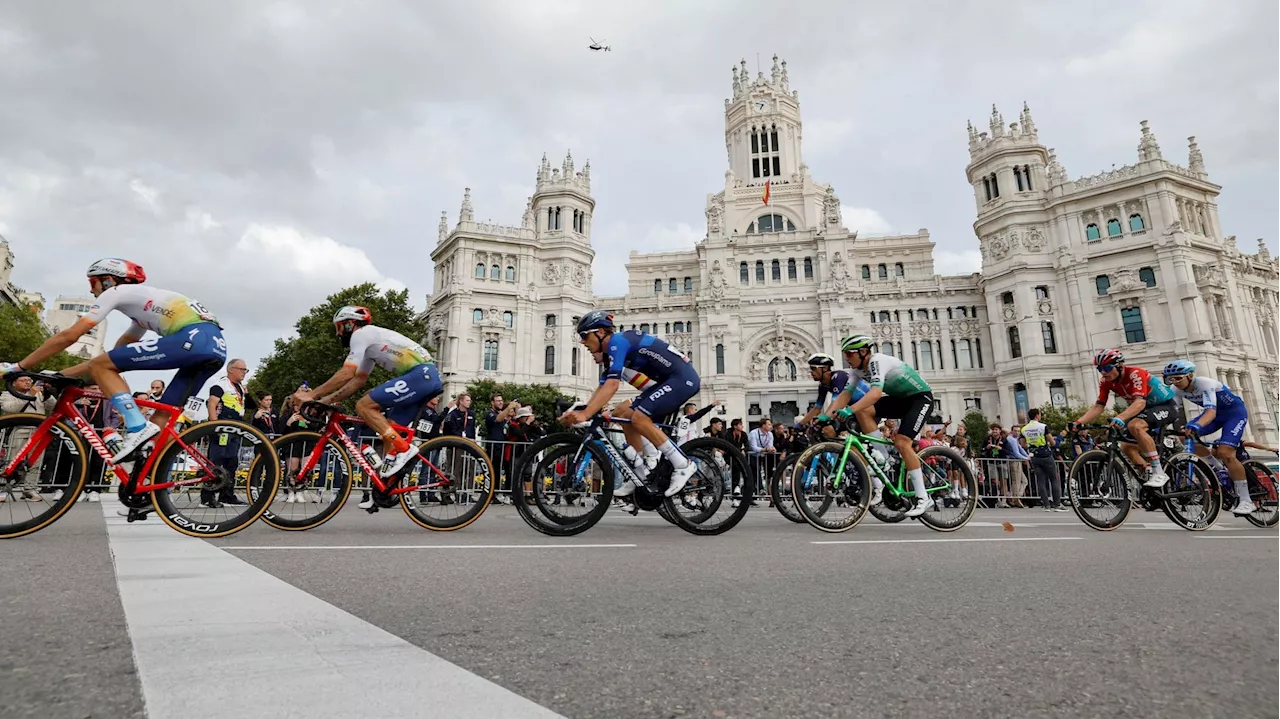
<point>1262,488</point>
<point>477,507</point>
<point>538,454</point>
<point>783,501</point>
<point>265,462</point>
<point>71,442</point>
<point>1120,480</point>
<point>704,527</point>
<point>1209,487</point>
<point>886,515</point>
<point>969,503</point>
<point>340,497</point>
<point>815,519</point>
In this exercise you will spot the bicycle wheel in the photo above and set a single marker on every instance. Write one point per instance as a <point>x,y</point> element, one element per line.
<point>938,463</point>
<point>813,483</point>
<point>1262,490</point>
<point>62,461</point>
<point>1099,490</point>
<point>704,506</point>
<point>449,468</point>
<point>329,479</point>
<point>780,490</point>
<point>886,515</point>
<point>185,460</point>
<point>563,465</point>
<point>1191,498</point>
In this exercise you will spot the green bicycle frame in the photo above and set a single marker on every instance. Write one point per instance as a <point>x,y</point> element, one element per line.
<point>855,441</point>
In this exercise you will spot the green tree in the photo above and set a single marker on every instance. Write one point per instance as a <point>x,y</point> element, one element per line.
<point>315,353</point>
<point>976,425</point>
<point>1057,417</point>
<point>542,397</point>
<point>21,332</point>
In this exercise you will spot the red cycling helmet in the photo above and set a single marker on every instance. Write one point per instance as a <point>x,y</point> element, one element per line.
<point>1108,357</point>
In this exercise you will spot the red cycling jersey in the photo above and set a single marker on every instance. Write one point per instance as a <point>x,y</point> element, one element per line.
<point>1131,384</point>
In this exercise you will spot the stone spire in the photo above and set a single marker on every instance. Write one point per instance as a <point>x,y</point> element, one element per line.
<point>997,123</point>
<point>737,82</point>
<point>466,215</point>
<point>586,176</point>
<point>1263,253</point>
<point>443,228</point>
<point>528,221</point>
<point>1194,158</point>
<point>1148,148</point>
<point>1028,125</point>
<point>775,73</point>
<point>786,83</point>
<point>742,72</point>
<point>1054,171</point>
<point>567,168</point>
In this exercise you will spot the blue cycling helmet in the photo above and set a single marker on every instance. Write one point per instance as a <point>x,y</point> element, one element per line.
<point>1179,367</point>
<point>595,320</point>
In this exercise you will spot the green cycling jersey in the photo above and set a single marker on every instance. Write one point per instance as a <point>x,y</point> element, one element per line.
<point>893,376</point>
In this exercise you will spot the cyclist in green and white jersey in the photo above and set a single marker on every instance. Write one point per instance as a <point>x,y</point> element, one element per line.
<point>897,392</point>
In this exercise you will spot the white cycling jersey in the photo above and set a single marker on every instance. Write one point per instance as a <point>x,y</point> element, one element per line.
<point>388,349</point>
<point>150,308</point>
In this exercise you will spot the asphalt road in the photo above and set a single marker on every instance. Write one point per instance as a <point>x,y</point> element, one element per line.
<point>635,618</point>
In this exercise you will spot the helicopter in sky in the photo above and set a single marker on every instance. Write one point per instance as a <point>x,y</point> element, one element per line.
<point>599,46</point>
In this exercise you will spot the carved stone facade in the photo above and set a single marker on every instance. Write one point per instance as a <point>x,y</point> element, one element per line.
<point>770,284</point>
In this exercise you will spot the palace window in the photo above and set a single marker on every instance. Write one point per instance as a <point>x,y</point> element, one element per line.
<point>866,272</point>
<point>760,271</point>
<point>573,358</point>
<point>1015,343</point>
<point>791,269</point>
<point>673,287</point>
<point>490,355</point>
<point>550,320</point>
<point>477,315</point>
<point>1133,329</point>
<point>688,285</point>
<point>926,355</point>
<point>744,274</point>
<point>1148,276</point>
<point>508,319</point>
<point>495,273</point>
<point>1136,224</point>
<point>1113,227</point>
<point>776,271</point>
<point>511,273</point>
<point>657,287</point>
<point>1042,292</point>
<point>773,223</point>
<point>719,359</point>
<point>898,270</point>
<point>882,271</point>
<point>480,271</point>
<point>549,360</point>
<point>765,158</point>
<point>1050,341</point>
<point>1091,232</point>
<point>808,268</point>
<point>1102,284</point>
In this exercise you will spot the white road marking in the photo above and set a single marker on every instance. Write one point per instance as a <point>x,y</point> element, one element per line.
<point>955,539</point>
<point>207,624</point>
<point>1272,537</point>
<point>230,548</point>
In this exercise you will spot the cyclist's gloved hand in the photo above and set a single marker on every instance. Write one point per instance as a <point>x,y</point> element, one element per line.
<point>8,368</point>
<point>1118,422</point>
<point>823,418</point>
<point>844,413</point>
<point>1193,427</point>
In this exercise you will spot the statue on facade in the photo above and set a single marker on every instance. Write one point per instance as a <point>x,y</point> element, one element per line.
<point>839,273</point>
<point>717,281</point>
<point>551,274</point>
<point>714,216</point>
<point>831,207</point>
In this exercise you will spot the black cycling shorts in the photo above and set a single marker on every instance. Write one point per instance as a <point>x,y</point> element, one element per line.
<point>911,412</point>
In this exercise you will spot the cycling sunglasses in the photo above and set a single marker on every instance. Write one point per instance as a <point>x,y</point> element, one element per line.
<point>1105,368</point>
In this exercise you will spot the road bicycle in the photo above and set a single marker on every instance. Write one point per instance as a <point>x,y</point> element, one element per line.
<point>169,478</point>
<point>1104,485</point>
<point>582,466</point>
<point>1262,490</point>
<point>784,501</point>
<point>453,476</point>
<point>831,476</point>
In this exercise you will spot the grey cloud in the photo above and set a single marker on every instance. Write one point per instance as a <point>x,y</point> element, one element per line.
<point>361,121</point>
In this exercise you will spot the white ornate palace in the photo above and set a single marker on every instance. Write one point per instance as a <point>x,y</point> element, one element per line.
<point>1134,258</point>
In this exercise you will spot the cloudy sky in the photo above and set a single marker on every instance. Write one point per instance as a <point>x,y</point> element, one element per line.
<point>259,155</point>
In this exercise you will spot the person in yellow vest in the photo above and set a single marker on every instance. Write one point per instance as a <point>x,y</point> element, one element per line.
<point>1048,484</point>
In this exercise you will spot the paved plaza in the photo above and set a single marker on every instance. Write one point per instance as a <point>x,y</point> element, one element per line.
<point>371,616</point>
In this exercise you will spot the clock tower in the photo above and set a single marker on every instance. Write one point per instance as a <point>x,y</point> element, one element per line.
<point>762,125</point>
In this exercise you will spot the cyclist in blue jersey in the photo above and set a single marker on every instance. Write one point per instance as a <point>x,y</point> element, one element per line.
<point>1222,410</point>
<point>835,384</point>
<point>666,379</point>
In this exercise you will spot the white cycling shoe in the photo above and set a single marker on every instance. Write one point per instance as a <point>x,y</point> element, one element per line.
<point>921,507</point>
<point>680,477</point>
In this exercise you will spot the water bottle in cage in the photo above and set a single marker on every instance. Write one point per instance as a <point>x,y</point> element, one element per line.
<point>371,456</point>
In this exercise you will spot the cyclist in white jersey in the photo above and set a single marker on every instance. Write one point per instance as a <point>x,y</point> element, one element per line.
<point>400,398</point>
<point>897,392</point>
<point>190,341</point>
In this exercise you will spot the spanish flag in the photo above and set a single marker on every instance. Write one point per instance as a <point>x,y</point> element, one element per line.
<point>766,191</point>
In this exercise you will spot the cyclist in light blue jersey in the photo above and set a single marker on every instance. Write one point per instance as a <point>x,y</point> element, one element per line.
<point>1224,411</point>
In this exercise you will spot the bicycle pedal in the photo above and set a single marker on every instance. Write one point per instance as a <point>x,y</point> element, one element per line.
<point>372,510</point>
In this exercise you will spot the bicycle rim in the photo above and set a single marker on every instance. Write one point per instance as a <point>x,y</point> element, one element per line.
<point>1099,481</point>
<point>1262,490</point>
<point>810,481</point>
<point>464,466</point>
<point>331,476</point>
<point>69,461</point>
<point>1200,507</point>
<point>931,460</point>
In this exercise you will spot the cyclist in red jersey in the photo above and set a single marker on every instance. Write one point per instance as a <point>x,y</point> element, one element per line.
<point>1150,400</point>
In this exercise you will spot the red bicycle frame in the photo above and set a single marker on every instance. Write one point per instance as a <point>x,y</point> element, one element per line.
<point>66,410</point>
<point>334,430</point>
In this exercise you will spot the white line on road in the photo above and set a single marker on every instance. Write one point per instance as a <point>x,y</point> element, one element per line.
<point>207,624</point>
<point>434,546</point>
<point>956,539</point>
<point>1272,537</point>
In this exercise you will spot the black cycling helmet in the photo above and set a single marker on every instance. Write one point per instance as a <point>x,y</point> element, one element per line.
<point>821,359</point>
<point>595,320</point>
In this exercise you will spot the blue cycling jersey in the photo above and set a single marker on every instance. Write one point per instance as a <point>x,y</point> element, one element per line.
<point>639,359</point>
<point>1208,392</point>
<point>839,383</point>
